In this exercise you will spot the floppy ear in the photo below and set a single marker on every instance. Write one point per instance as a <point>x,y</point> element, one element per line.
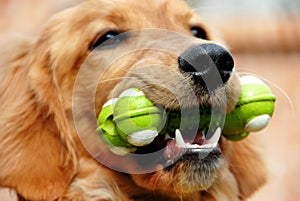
<point>247,165</point>
<point>37,155</point>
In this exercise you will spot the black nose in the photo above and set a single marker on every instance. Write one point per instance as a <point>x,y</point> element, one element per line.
<point>210,65</point>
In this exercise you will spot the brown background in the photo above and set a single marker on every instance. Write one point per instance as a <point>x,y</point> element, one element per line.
<point>265,39</point>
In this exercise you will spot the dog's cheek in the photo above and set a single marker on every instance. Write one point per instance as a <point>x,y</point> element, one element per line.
<point>246,164</point>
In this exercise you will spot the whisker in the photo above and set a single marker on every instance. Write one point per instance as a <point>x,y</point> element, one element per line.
<point>141,60</point>
<point>246,71</point>
<point>281,90</point>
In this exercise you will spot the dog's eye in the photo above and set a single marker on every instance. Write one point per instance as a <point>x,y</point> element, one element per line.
<point>107,40</point>
<point>199,33</point>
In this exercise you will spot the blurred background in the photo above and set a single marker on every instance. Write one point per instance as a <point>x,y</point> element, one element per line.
<point>264,36</point>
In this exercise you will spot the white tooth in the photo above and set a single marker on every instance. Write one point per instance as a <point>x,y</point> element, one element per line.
<point>214,139</point>
<point>204,146</point>
<point>178,138</point>
<point>167,136</point>
<point>209,146</point>
<point>193,146</point>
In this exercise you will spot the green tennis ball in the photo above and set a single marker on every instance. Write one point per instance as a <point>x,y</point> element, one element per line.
<point>137,119</point>
<point>253,110</point>
<point>130,120</point>
<point>107,126</point>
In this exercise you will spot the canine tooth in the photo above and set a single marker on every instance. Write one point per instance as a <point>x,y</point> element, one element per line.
<point>142,138</point>
<point>178,139</point>
<point>213,140</point>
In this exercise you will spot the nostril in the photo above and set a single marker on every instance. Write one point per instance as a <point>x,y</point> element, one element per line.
<point>220,56</point>
<point>195,60</point>
<point>206,63</point>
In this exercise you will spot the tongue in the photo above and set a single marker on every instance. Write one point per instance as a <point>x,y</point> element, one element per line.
<point>199,138</point>
<point>172,151</point>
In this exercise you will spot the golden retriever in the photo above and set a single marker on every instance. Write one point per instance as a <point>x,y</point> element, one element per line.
<point>47,132</point>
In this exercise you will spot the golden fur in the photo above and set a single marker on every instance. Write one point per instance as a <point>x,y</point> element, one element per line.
<point>41,155</point>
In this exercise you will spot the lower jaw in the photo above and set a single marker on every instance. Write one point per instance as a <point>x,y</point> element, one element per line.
<point>180,180</point>
<point>197,159</point>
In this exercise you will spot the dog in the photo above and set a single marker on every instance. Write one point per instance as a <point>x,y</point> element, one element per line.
<point>43,156</point>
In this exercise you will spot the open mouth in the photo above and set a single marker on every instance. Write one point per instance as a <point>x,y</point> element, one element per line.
<point>175,145</point>
<point>133,124</point>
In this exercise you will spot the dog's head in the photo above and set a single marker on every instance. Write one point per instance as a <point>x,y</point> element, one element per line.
<point>166,50</point>
<point>169,53</point>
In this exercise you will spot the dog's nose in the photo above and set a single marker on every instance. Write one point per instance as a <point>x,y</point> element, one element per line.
<point>209,65</point>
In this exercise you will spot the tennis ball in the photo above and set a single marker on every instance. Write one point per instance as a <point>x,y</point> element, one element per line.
<point>253,110</point>
<point>107,125</point>
<point>130,120</point>
<point>137,119</point>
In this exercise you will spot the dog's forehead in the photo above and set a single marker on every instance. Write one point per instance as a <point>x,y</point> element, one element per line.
<point>133,14</point>
<point>141,5</point>
<point>79,26</point>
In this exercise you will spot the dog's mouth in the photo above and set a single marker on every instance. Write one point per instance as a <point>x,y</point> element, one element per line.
<point>176,146</point>
<point>156,136</point>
